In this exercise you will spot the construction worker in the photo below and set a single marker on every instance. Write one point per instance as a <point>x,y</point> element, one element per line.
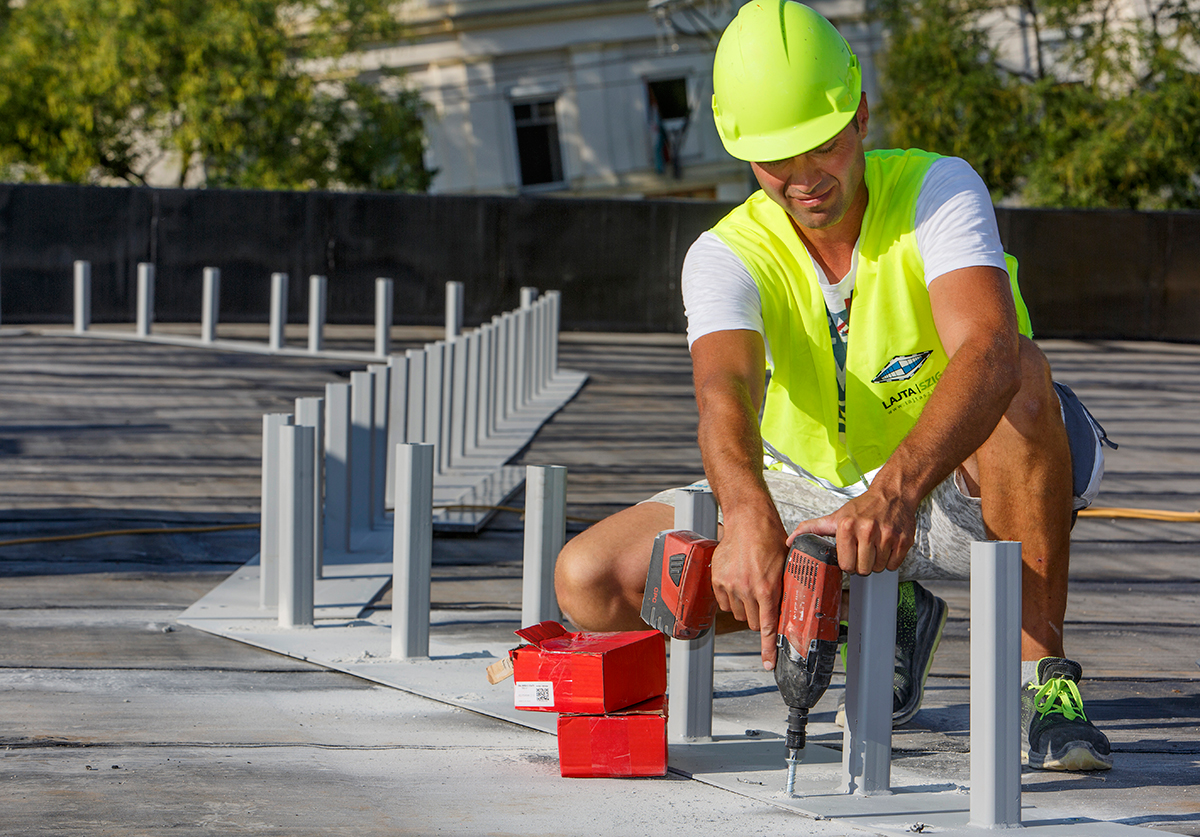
<point>924,422</point>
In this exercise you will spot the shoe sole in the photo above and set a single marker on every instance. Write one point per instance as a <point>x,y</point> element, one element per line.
<point>925,666</point>
<point>839,719</point>
<point>1075,757</point>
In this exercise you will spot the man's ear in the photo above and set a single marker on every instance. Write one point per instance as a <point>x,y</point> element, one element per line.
<point>861,116</point>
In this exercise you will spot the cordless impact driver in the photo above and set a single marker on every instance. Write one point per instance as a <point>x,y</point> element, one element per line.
<point>679,601</point>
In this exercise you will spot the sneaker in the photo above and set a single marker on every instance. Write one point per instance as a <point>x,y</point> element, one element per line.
<point>920,619</point>
<point>1055,732</point>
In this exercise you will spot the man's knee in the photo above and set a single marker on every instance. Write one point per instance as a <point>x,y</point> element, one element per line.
<point>1034,408</point>
<point>601,573</point>
<point>580,574</point>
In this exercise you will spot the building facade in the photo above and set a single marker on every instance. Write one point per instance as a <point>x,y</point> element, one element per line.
<point>576,97</point>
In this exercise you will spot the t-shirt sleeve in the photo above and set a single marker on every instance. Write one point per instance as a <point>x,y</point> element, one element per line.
<point>719,294</point>
<point>956,222</point>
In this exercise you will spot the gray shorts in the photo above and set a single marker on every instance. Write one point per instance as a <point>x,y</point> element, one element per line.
<point>948,520</point>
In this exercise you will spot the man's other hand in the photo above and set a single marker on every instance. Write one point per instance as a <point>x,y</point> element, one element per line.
<point>873,533</point>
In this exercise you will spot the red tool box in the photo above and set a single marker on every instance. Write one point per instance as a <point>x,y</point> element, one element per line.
<point>587,673</point>
<point>629,742</point>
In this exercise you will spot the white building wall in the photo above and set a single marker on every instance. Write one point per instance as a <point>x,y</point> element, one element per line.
<point>594,60</point>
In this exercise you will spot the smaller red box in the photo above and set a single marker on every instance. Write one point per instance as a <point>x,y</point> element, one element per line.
<point>632,742</point>
<point>591,673</point>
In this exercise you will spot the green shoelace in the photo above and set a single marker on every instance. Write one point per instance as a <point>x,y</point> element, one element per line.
<point>1059,695</point>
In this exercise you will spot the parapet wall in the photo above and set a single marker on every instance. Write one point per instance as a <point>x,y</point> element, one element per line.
<point>1096,274</point>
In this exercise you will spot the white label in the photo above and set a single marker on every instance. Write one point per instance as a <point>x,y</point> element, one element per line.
<point>533,693</point>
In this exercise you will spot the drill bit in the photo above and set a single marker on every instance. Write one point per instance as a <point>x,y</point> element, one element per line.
<point>796,739</point>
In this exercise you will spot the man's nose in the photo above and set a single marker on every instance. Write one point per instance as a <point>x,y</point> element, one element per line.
<point>803,174</point>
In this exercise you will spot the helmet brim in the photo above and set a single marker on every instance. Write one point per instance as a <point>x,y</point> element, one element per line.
<point>789,142</point>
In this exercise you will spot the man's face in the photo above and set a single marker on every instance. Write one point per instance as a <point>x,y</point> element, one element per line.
<point>818,188</point>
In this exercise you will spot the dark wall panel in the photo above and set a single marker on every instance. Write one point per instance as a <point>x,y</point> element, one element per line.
<point>617,262</point>
<point>1061,253</point>
<point>1181,277</point>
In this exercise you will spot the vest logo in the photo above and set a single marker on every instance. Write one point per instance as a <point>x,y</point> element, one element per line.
<point>918,390</point>
<point>901,368</point>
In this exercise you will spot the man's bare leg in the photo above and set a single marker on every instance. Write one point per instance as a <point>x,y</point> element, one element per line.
<point>601,572</point>
<point>1025,470</point>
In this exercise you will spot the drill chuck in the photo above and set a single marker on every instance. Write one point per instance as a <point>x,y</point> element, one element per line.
<point>797,729</point>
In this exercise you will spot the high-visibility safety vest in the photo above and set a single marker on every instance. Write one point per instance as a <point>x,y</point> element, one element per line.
<point>894,356</point>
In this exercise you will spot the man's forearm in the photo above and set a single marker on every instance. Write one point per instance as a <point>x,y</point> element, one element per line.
<point>965,407</point>
<point>731,448</point>
<point>747,567</point>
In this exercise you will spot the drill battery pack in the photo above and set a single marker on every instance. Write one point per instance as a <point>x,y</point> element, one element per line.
<point>679,598</point>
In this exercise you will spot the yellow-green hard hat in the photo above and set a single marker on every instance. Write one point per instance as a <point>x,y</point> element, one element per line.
<point>784,81</point>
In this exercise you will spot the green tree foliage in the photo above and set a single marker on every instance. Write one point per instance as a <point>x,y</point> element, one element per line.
<point>100,90</point>
<point>942,90</point>
<point>1105,113</point>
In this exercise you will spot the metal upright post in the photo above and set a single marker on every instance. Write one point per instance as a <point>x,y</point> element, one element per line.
<point>310,412</point>
<point>83,296</point>
<point>548,336</point>
<point>533,364</point>
<point>435,380</point>
<point>528,295</point>
<point>268,529</point>
<point>995,684</point>
<point>337,467</point>
<point>296,572</point>
<point>210,306</point>
<point>545,534</point>
<point>867,739</point>
<point>145,299</point>
<point>449,369</point>
<point>691,686</point>
<point>383,317</point>
<point>362,416</point>
<point>459,401</point>
<point>381,372</point>
<point>318,294</point>
<point>555,324</point>
<point>474,390</point>
<point>521,396</point>
<point>512,362</point>
<point>454,310</point>
<point>543,347</point>
<point>418,362</point>
<point>487,381</point>
<point>279,312</point>
<point>397,428</point>
<point>412,550</point>
<point>504,368</point>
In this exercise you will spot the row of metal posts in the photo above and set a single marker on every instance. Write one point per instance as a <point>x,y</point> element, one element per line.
<point>210,305</point>
<point>453,395</point>
<point>412,547</point>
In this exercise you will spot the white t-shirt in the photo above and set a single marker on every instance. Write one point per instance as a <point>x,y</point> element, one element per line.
<point>955,228</point>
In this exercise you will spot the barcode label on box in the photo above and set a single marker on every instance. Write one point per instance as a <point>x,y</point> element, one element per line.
<point>533,693</point>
